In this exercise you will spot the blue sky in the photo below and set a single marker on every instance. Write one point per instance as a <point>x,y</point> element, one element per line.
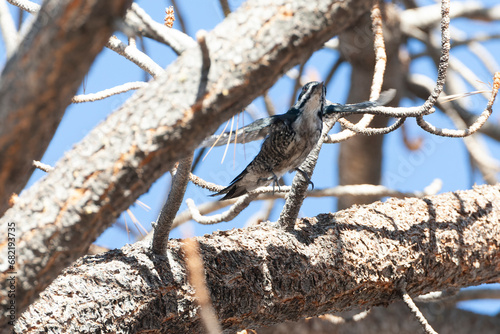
<point>442,158</point>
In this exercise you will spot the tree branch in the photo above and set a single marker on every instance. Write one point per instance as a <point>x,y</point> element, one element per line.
<point>132,53</point>
<point>42,76</point>
<point>141,22</point>
<point>30,7</point>
<point>261,275</point>
<point>171,206</point>
<point>478,123</point>
<point>8,29</point>
<point>414,309</point>
<point>108,92</point>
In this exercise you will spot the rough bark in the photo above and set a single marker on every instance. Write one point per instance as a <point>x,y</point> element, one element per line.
<point>39,80</point>
<point>118,161</point>
<point>260,276</point>
<point>360,158</point>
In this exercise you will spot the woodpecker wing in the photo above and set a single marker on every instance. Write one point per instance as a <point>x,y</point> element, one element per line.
<point>251,132</point>
<point>256,130</point>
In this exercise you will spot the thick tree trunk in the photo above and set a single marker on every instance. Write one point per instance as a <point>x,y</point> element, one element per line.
<point>259,276</point>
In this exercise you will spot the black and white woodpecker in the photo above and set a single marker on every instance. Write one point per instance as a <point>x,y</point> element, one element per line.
<point>291,137</point>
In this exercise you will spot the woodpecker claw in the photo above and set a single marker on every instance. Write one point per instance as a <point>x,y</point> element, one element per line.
<point>304,174</point>
<point>275,182</point>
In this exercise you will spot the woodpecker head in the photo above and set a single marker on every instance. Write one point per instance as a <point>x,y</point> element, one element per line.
<point>312,99</point>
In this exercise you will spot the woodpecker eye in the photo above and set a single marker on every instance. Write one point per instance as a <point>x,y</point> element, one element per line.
<point>302,92</point>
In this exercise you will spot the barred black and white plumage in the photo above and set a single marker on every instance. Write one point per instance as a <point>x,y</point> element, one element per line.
<point>291,137</point>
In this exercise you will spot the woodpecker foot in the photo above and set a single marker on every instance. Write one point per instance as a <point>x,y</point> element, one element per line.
<point>304,174</point>
<point>275,182</point>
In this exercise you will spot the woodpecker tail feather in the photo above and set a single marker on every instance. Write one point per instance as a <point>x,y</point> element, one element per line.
<point>235,189</point>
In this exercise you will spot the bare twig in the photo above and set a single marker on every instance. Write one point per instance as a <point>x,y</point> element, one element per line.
<point>263,214</point>
<point>481,52</point>
<point>337,320</point>
<point>445,55</point>
<point>228,215</point>
<point>424,17</point>
<point>380,55</point>
<point>196,277</point>
<point>351,190</point>
<point>473,294</point>
<point>141,22</point>
<point>297,84</point>
<point>205,184</point>
<point>164,222</point>
<point>197,158</point>
<point>20,19</point>
<point>8,28</point>
<point>135,55</point>
<point>436,296</point>
<point>137,223</point>
<point>374,190</point>
<point>473,127</point>
<point>478,153</point>
<point>391,111</point>
<point>484,56</point>
<point>203,209</point>
<point>225,7</point>
<point>334,69</point>
<point>26,5</point>
<point>372,131</point>
<point>206,62</point>
<point>180,17</point>
<point>414,309</point>
<point>108,92</point>
<point>420,86</point>
<point>268,103</point>
<point>42,166</point>
<point>469,76</point>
